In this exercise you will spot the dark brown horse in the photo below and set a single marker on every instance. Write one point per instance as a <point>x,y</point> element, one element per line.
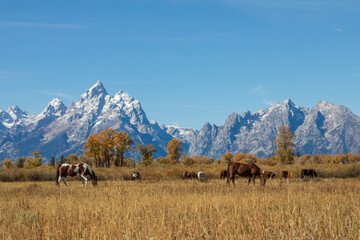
<point>191,175</point>
<point>82,169</point>
<point>269,174</point>
<point>308,172</point>
<point>223,174</point>
<point>244,170</point>
<point>284,174</point>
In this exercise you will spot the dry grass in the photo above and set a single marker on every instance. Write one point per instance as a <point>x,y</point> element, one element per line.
<point>173,172</point>
<point>176,209</point>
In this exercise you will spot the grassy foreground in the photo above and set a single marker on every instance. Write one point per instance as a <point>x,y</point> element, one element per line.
<point>176,209</point>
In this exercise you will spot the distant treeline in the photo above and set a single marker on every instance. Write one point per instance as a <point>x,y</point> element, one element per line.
<point>108,148</point>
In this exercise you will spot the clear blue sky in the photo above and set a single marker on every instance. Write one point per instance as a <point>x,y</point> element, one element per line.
<point>186,61</point>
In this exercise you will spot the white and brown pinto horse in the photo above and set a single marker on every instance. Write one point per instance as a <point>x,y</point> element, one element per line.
<point>82,169</point>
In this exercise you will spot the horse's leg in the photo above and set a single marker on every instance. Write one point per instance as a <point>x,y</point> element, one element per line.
<point>233,178</point>
<point>253,178</point>
<point>84,179</point>
<point>249,180</point>
<point>58,181</point>
<point>64,179</point>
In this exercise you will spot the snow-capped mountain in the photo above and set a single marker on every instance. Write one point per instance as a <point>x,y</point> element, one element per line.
<point>58,130</point>
<point>325,128</point>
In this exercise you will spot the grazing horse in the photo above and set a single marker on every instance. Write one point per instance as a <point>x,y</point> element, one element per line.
<point>308,172</point>
<point>284,174</point>
<point>244,170</point>
<point>223,174</point>
<point>201,176</point>
<point>190,175</point>
<point>81,169</point>
<point>269,174</point>
<point>135,175</point>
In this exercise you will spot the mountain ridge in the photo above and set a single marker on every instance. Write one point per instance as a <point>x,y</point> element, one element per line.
<point>60,130</point>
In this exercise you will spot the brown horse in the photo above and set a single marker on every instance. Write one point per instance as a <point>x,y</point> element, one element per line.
<point>284,174</point>
<point>223,174</point>
<point>244,170</point>
<point>269,174</point>
<point>308,172</point>
<point>82,169</point>
<point>191,175</point>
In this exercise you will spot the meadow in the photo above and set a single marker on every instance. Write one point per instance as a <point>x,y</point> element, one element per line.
<point>176,209</point>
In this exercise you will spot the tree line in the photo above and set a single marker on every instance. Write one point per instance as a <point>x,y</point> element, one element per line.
<point>109,147</point>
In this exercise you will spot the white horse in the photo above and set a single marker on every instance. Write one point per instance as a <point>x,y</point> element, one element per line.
<point>202,177</point>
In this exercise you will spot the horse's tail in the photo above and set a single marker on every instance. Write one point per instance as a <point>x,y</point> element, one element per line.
<point>57,175</point>
<point>228,173</point>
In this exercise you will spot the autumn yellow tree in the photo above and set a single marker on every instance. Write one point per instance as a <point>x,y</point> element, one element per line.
<point>187,160</point>
<point>228,157</point>
<point>285,147</point>
<point>72,159</point>
<point>174,149</point>
<point>146,152</point>
<point>8,163</point>
<point>107,144</point>
<point>122,143</point>
<point>92,148</point>
<point>36,159</point>
<point>28,162</point>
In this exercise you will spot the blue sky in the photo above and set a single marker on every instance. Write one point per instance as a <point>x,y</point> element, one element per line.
<point>186,61</point>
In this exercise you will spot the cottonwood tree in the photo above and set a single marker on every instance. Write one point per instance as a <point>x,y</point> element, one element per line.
<point>36,159</point>
<point>8,163</point>
<point>146,152</point>
<point>227,157</point>
<point>174,149</point>
<point>72,159</point>
<point>107,151</point>
<point>20,162</point>
<point>93,146</point>
<point>108,146</point>
<point>285,147</point>
<point>123,143</point>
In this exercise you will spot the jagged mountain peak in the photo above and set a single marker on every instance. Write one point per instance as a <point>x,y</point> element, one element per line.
<point>14,109</point>
<point>54,107</point>
<point>322,104</point>
<point>96,90</point>
<point>16,113</point>
<point>232,119</point>
<point>124,96</point>
<point>288,102</point>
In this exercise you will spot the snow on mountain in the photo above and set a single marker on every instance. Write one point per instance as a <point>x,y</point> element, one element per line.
<point>183,134</point>
<point>58,130</point>
<point>326,128</point>
<point>67,129</point>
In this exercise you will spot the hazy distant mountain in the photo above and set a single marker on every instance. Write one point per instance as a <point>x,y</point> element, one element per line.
<point>59,130</point>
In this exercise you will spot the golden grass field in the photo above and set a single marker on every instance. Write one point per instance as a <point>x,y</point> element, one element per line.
<point>177,209</point>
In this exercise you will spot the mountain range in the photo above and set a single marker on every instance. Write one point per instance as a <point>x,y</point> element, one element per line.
<point>60,130</point>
